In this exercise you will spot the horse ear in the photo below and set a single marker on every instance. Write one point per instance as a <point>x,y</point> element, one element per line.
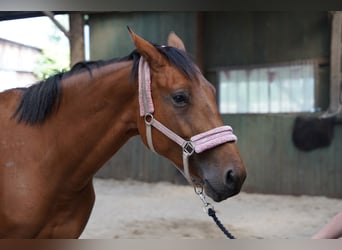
<point>147,50</point>
<point>175,41</point>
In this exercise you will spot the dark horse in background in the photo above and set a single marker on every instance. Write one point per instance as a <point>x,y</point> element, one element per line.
<point>56,134</point>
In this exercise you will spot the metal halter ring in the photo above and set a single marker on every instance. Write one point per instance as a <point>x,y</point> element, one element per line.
<point>188,148</point>
<point>148,119</point>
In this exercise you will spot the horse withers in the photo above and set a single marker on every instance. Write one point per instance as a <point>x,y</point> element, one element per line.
<point>56,134</point>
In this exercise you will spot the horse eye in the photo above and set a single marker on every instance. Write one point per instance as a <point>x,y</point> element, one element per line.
<point>180,99</point>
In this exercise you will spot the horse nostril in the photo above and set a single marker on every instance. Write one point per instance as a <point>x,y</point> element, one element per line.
<point>231,180</point>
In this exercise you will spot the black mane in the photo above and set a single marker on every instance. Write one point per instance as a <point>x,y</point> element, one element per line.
<point>43,98</point>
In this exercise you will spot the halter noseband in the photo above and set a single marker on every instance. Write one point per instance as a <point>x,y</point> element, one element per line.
<point>198,143</point>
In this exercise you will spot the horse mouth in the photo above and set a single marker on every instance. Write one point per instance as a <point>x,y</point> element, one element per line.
<point>218,195</point>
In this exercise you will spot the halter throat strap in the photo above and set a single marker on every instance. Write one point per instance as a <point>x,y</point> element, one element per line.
<point>198,143</point>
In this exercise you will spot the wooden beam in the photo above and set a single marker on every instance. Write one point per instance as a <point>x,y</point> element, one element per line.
<point>335,63</point>
<point>77,53</point>
<point>58,24</point>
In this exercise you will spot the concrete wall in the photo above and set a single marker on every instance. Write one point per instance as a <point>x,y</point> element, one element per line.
<point>17,63</point>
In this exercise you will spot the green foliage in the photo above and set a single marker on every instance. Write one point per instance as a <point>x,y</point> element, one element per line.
<point>50,63</point>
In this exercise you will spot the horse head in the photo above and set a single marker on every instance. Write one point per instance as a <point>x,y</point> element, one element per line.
<point>184,103</point>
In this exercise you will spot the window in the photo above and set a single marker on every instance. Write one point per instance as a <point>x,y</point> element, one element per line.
<point>268,89</point>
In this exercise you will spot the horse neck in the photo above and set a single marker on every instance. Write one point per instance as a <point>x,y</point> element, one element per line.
<point>104,90</point>
<point>97,114</point>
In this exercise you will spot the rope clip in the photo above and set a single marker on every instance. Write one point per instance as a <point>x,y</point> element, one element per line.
<point>206,205</point>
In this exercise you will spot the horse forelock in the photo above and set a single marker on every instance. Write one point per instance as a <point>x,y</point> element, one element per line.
<point>43,98</point>
<point>179,59</point>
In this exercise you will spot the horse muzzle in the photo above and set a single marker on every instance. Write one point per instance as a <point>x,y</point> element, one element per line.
<point>221,187</point>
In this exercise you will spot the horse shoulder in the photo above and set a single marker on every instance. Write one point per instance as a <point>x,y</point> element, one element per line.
<point>70,214</point>
<point>32,213</point>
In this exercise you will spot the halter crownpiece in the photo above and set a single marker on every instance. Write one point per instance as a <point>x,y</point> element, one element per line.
<point>145,94</point>
<point>198,143</point>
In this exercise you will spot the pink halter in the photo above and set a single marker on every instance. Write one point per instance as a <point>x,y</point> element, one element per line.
<point>197,143</point>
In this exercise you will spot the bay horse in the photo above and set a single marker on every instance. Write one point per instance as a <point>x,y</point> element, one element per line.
<point>57,133</point>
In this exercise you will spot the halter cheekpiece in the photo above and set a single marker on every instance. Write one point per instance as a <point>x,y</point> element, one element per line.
<point>198,143</point>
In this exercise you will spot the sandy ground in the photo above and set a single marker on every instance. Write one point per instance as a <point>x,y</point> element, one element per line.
<point>137,210</point>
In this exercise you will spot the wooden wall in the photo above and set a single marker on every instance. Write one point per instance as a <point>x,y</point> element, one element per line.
<point>135,161</point>
<point>275,165</point>
<point>109,36</point>
<point>252,38</point>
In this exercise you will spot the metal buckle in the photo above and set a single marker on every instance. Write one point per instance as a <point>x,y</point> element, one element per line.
<point>148,119</point>
<point>188,148</point>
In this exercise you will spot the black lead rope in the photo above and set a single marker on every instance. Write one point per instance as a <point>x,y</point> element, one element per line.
<point>210,210</point>
<point>212,213</point>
